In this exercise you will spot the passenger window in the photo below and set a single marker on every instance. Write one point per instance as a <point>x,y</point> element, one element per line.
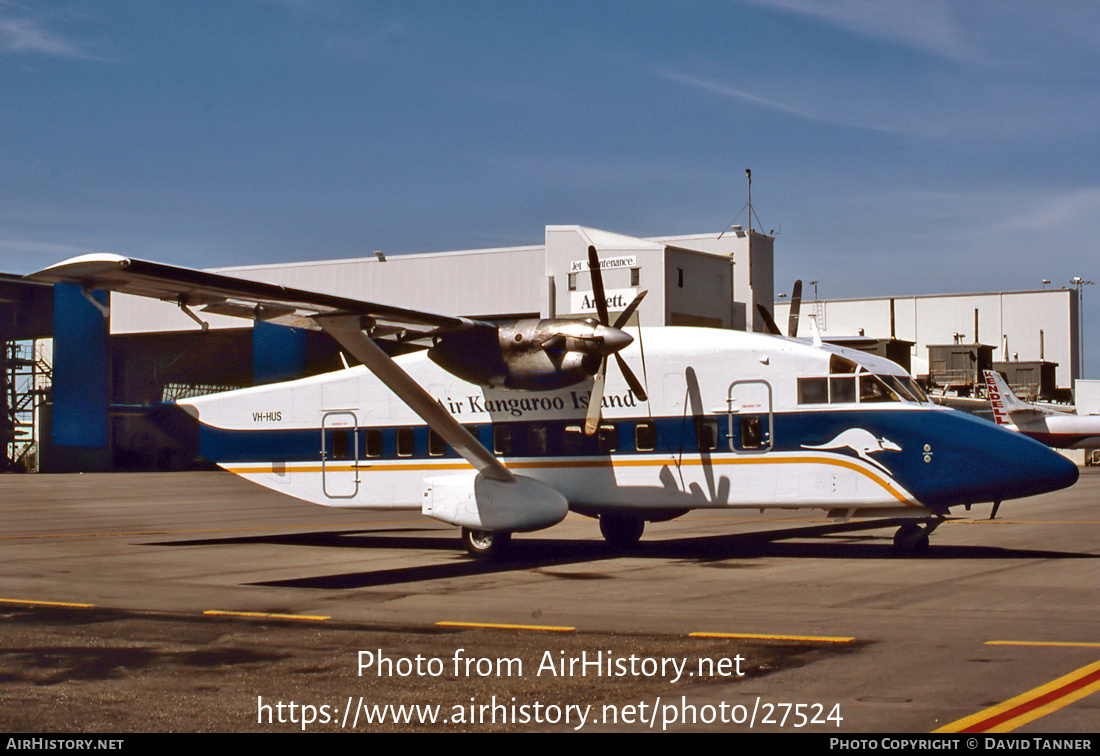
<point>502,439</point>
<point>373,442</point>
<point>813,390</point>
<point>706,434</point>
<point>340,444</point>
<point>406,442</point>
<point>536,440</point>
<point>573,440</point>
<point>437,447</point>
<point>751,433</point>
<point>645,436</point>
<point>608,436</point>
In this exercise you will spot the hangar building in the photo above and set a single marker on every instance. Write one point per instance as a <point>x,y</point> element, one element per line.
<point>1038,327</point>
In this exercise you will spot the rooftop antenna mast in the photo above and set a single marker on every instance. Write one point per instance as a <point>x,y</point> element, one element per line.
<point>748,177</point>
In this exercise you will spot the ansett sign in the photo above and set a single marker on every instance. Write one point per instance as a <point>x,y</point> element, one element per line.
<point>617,299</point>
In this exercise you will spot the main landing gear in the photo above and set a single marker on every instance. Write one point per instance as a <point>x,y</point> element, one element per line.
<point>484,544</point>
<point>620,530</point>
<point>912,539</point>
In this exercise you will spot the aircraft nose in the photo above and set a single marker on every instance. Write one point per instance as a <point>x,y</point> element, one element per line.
<point>976,461</point>
<point>614,339</point>
<point>1024,467</point>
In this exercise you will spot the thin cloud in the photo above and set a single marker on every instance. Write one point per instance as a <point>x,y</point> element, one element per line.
<point>932,27</point>
<point>24,35</point>
<point>714,87</point>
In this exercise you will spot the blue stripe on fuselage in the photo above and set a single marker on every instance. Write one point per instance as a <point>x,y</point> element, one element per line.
<point>946,458</point>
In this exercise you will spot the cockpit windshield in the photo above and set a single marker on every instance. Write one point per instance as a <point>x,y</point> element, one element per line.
<point>849,385</point>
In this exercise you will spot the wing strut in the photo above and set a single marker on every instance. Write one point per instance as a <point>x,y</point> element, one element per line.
<point>346,330</point>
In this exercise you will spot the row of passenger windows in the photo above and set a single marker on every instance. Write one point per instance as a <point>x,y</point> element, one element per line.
<point>540,439</point>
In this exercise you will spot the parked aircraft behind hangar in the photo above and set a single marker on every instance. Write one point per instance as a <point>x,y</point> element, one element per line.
<point>505,427</point>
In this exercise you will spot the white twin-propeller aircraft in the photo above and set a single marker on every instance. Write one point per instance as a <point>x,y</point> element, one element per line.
<point>505,427</point>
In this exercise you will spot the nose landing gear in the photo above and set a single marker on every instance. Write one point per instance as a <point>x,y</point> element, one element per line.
<point>912,539</point>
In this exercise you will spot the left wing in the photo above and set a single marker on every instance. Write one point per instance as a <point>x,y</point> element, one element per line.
<point>239,297</point>
<point>355,324</point>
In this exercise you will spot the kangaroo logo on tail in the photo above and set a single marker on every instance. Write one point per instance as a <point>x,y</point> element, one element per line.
<point>862,442</point>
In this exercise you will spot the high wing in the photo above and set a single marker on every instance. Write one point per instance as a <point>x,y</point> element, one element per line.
<point>238,297</point>
<point>355,324</point>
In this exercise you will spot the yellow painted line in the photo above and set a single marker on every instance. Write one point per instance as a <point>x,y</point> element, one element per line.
<point>1029,706</point>
<point>759,636</point>
<point>1057,644</point>
<point>263,615</point>
<point>46,603</point>
<point>492,626</point>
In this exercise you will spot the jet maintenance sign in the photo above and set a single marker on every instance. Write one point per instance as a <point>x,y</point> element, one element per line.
<point>610,263</point>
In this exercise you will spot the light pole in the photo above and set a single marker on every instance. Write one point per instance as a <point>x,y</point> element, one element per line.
<point>1078,282</point>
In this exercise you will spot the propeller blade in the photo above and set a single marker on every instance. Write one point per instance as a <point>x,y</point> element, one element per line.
<point>595,399</point>
<point>796,305</point>
<point>630,308</point>
<point>597,284</point>
<point>635,384</point>
<point>768,321</point>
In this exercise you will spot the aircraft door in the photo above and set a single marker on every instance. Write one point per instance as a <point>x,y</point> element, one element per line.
<point>340,455</point>
<point>750,421</point>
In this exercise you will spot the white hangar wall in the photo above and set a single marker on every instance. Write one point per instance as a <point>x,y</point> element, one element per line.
<point>1024,325</point>
<point>695,279</point>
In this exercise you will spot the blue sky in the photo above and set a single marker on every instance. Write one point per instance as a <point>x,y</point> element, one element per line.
<point>897,147</point>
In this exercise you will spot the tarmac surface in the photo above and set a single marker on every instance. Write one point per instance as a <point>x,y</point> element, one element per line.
<point>195,602</point>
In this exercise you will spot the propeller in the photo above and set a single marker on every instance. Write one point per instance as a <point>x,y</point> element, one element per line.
<point>796,305</point>
<point>792,321</point>
<point>613,339</point>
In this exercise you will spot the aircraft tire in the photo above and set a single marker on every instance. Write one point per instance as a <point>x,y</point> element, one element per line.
<point>484,544</point>
<point>621,531</point>
<point>910,540</point>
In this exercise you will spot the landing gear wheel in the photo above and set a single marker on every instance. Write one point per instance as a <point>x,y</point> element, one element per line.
<point>485,544</point>
<point>911,540</point>
<point>621,531</point>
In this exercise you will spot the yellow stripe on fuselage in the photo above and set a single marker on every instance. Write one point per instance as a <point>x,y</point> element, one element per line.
<point>421,465</point>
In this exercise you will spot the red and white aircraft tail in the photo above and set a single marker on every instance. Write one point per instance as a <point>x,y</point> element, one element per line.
<point>1008,409</point>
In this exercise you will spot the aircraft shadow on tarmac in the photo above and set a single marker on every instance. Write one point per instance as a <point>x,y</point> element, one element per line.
<point>834,541</point>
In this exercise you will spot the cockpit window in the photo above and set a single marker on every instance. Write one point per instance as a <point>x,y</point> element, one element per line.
<point>841,365</point>
<point>873,389</point>
<point>848,382</point>
<point>915,390</point>
<point>902,387</point>
<point>813,391</point>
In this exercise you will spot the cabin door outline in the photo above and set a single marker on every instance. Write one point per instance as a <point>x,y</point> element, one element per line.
<point>750,424</point>
<point>340,454</point>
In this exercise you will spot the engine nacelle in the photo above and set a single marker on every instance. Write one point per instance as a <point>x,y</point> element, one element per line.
<point>473,501</point>
<point>533,355</point>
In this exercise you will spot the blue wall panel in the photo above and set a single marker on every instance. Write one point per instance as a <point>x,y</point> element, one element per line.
<point>278,353</point>
<point>80,369</point>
